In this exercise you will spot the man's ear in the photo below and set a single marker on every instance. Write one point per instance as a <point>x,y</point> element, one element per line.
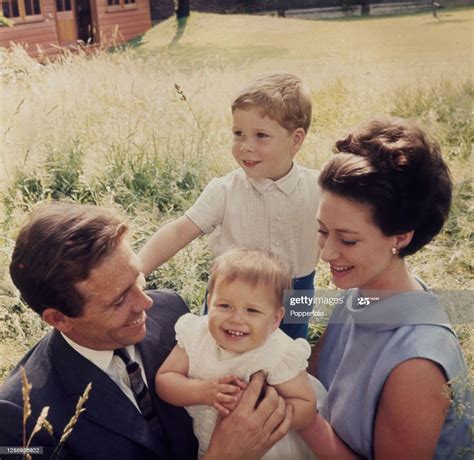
<point>403,239</point>
<point>57,319</point>
<point>278,317</point>
<point>298,138</point>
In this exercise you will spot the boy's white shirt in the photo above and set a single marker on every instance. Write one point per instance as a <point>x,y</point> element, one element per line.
<point>279,216</point>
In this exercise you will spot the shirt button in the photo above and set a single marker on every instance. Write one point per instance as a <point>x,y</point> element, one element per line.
<point>275,195</point>
<point>277,218</point>
<point>277,244</point>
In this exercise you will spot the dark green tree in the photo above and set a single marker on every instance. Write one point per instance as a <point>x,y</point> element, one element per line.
<point>182,9</point>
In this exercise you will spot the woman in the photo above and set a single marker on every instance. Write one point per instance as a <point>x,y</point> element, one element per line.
<point>388,352</point>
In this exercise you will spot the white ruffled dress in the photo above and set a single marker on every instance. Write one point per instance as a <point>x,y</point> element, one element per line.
<point>280,358</point>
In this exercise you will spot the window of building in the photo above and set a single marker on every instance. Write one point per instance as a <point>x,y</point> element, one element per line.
<point>63,5</point>
<point>10,9</point>
<point>114,5</point>
<point>32,7</point>
<point>21,9</point>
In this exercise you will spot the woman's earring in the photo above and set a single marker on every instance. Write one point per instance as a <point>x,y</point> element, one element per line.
<point>394,250</point>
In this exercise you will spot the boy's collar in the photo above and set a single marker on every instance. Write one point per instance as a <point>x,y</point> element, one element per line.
<point>286,184</point>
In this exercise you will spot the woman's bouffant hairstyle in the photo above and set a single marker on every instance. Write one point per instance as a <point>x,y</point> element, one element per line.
<point>280,96</point>
<point>253,266</point>
<point>57,247</point>
<point>394,167</point>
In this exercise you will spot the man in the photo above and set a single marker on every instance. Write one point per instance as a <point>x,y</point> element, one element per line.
<point>74,266</point>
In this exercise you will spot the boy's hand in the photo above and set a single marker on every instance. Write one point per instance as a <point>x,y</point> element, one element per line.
<point>224,393</point>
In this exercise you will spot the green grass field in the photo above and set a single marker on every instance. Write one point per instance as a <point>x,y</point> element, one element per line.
<point>112,128</point>
<point>384,46</point>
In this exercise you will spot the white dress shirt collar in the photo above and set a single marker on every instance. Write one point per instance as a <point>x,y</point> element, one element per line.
<point>286,184</point>
<point>101,358</point>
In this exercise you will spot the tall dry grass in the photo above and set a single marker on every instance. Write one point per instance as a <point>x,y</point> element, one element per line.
<point>114,129</point>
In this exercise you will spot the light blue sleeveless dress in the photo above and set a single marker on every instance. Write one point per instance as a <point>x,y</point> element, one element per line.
<point>363,344</point>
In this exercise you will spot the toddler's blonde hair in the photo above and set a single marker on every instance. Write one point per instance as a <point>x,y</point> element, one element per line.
<point>280,96</point>
<point>253,266</point>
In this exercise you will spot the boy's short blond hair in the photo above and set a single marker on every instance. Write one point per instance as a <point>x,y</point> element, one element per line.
<point>253,266</point>
<point>280,96</point>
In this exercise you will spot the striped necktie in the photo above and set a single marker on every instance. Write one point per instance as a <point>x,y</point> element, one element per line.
<point>140,390</point>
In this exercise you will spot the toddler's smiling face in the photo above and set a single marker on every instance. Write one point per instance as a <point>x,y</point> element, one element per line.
<point>242,316</point>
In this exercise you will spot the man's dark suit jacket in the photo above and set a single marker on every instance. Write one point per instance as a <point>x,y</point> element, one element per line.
<point>111,428</point>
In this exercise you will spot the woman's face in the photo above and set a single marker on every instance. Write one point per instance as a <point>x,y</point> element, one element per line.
<point>357,251</point>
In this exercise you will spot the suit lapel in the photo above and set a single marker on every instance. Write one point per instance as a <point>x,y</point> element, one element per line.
<point>107,405</point>
<point>152,351</point>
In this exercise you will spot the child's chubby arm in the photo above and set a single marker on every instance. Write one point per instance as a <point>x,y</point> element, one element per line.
<point>174,387</point>
<point>300,394</point>
<point>166,242</point>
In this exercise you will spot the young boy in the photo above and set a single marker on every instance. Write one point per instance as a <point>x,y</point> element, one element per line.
<point>270,202</point>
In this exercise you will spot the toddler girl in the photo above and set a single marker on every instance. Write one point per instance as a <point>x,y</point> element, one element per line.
<point>216,354</point>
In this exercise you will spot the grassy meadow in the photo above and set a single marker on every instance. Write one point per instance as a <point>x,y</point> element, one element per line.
<point>145,127</point>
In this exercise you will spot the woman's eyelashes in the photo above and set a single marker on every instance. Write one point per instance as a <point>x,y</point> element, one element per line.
<point>348,242</point>
<point>324,234</point>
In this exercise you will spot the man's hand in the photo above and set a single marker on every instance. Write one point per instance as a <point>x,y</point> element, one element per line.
<point>253,427</point>
<point>224,393</point>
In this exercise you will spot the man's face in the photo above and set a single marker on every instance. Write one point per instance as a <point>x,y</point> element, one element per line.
<point>114,312</point>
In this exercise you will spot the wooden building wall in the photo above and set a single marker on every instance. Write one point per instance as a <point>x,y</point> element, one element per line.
<point>122,24</point>
<point>112,25</point>
<point>41,31</point>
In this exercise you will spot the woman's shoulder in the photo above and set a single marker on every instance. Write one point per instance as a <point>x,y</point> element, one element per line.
<point>440,344</point>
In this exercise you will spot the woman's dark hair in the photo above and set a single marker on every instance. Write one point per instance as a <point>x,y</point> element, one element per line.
<point>57,247</point>
<point>394,167</point>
